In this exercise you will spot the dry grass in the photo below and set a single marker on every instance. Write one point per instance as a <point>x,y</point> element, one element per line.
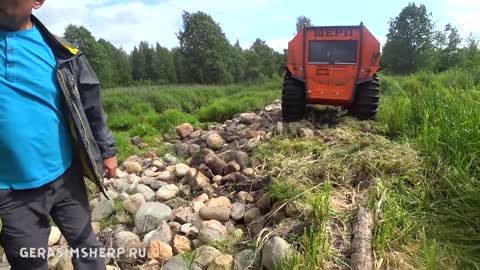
<point>349,164</point>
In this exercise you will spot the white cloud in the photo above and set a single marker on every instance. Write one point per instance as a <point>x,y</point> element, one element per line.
<point>465,15</point>
<point>127,23</point>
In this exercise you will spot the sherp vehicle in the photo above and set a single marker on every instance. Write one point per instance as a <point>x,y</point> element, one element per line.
<point>332,65</point>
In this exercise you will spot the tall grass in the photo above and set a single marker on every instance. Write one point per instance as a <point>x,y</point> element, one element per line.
<point>440,114</point>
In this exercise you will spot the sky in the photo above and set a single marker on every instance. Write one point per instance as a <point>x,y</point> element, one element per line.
<point>127,22</point>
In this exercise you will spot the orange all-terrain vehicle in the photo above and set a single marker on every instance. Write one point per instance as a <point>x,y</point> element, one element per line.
<point>332,65</point>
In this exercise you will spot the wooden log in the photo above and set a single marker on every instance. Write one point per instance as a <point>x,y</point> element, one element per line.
<point>361,245</point>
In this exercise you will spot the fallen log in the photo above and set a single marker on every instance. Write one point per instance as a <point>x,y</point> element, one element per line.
<point>361,245</point>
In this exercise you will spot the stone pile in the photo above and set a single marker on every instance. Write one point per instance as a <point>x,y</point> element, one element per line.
<point>179,206</point>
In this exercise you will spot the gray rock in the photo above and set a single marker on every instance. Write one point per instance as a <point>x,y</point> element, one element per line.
<point>245,197</point>
<point>305,133</point>
<point>182,215</point>
<point>179,263</point>
<point>147,180</point>
<point>150,215</point>
<point>242,159</point>
<point>157,184</point>
<point>174,226</point>
<point>181,149</point>
<point>199,158</point>
<point>247,118</point>
<point>120,174</point>
<point>133,202</point>
<point>221,214</point>
<point>217,179</point>
<point>203,168</point>
<point>193,148</point>
<point>251,215</point>
<point>273,253</point>
<point>181,169</point>
<point>209,235</point>
<point>146,191</point>
<point>170,159</point>
<point>132,166</point>
<point>103,210</point>
<point>205,255</point>
<point>215,141</point>
<point>162,233</point>
<point>222,262</point>
<point>189,230</point>
<point>136,140</point>
<point>111,195</point>
<point>248,172</point>
<point>265,203</point>
<point>238,211</point>
<point>123,196</point>
<point>167,176</point>
<point>195,134</point>
<point>184,130</point>
<point>125,238</point>
<point>252,144</point>
<point>245,259</point>
<point>232,167</point>
<point>176,203</point>
<point>121,184</point>
<point>159,164</point>
<point>166,193</point>
<point>216,164</point>
<point>197,180</point>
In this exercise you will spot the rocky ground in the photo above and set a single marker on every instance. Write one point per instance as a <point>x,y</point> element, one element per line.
<point>204,206</point>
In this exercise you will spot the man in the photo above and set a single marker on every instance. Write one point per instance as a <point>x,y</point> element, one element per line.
<point>52,132</point>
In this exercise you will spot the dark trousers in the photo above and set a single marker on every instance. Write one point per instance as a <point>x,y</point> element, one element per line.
<point>25,216</point>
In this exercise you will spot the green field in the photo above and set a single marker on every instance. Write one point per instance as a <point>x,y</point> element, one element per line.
<point>149,112</point>
<point>426,196</point>
<point>440,115</point>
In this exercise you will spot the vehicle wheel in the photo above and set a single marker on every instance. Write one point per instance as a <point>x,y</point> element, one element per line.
<point>367,100</point>
<point>293,99</point>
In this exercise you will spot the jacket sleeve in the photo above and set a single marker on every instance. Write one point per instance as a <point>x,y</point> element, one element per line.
<point>89,88</point>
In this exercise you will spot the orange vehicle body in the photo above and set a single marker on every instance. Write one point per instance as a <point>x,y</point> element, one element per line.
<point>333,82</point>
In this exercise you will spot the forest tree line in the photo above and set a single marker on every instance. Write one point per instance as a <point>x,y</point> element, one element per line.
<point>414,43</point>
<point>205,56</point>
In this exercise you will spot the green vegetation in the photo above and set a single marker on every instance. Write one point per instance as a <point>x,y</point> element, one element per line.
<point>414,43</point>
<point>204,56</point>
<point>420,161</point>
<point>439,114</point>
<point>149,112</point>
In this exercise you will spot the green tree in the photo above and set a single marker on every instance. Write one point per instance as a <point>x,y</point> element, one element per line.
<point>261,60</point>
<point>239,63</point>
<point>409,46</point>
<point>204,49</point>
<point>448,47</point>
<point>178,65</point>
<point>303,22</point>
<point>139,69</point>
<point>97,55</point>
<point>164,67</point>
<point>471,52</point>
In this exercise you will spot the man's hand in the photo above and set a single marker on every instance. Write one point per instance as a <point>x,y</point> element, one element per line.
<point>110,164</point>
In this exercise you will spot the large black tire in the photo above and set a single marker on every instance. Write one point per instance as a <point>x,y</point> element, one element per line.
<point>367,100</point>
<point>293,99</point>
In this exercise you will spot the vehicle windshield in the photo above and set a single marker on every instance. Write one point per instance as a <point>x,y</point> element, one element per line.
<point>333,51</point>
